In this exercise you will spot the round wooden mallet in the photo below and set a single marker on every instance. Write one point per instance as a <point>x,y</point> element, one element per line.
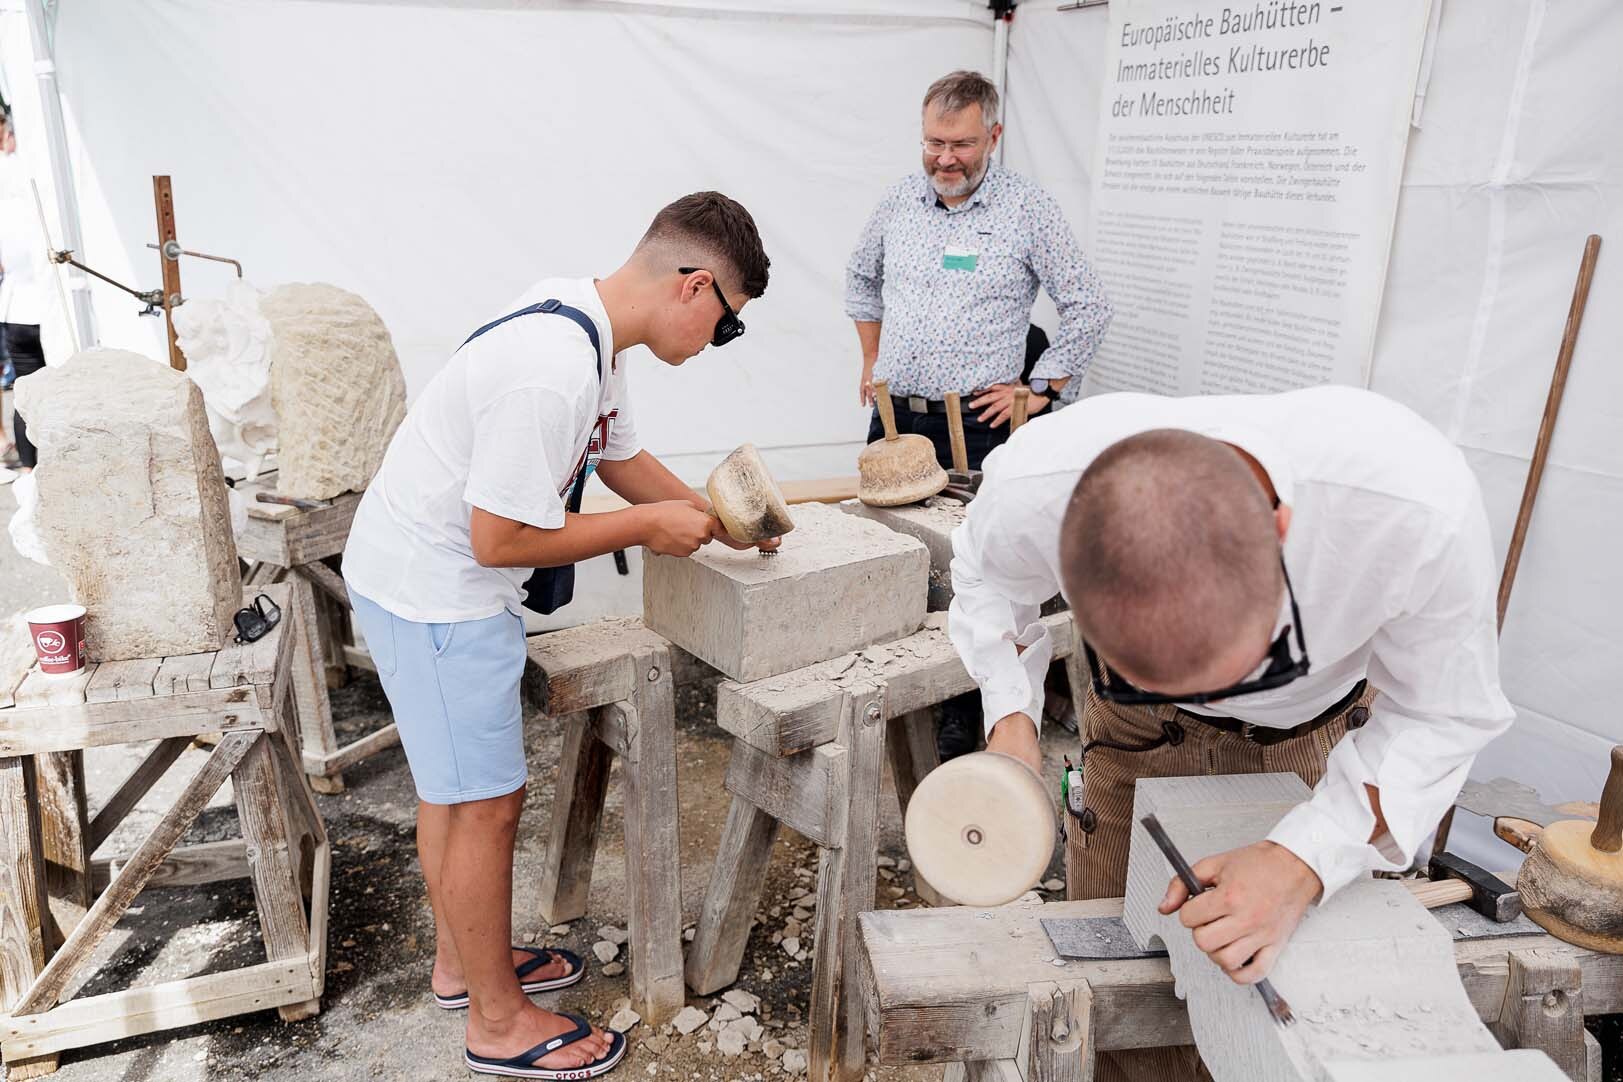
<point>980,829</point>
<point>1572,880</point>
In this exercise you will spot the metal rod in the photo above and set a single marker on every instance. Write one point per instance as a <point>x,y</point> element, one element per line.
<point>178,251</point>
<point>1276,1003</point>
<point>151,296</point>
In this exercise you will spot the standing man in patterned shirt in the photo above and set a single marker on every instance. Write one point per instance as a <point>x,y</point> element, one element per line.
<point>945,273</point>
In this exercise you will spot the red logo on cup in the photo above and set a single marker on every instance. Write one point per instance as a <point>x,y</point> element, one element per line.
<point>51,642</point>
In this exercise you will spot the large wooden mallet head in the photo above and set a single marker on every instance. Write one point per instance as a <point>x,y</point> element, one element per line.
<point>746,499</point>
<point>980,829</point>
<point>1572,880</point>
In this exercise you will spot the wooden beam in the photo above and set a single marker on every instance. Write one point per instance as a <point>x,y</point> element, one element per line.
<point>187,866</point>
<point>736,882</point>
<point>588,666</point>
<point>806,793</point>
<point>163,201</point>
<point>171,1005</point>
<point>326,578</point>
<point>783,715</point>
<point>29,731</point>
<point>133,788</point>
<point>577,811</point>
<point>64,839</point>
<point>43,993</point>
<point>1543,1008</point>
<point>950,984</point>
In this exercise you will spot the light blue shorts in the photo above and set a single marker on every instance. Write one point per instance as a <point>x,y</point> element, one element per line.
<point>454,690</point>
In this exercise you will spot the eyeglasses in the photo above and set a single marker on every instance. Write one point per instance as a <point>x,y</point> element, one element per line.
<point>938,147</point>
<point>729,326</point>
<point>1282,669</point>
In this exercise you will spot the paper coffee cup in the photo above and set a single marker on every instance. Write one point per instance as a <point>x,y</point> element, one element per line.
<point>58,632</point>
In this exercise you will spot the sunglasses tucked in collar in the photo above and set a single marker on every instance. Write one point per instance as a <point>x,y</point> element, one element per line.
<point>729,326</point>
<point>1282,669</point>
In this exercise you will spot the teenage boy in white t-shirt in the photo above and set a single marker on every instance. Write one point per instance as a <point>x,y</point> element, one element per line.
<point>480,486</point>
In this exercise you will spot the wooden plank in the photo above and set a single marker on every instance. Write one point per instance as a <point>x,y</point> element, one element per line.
<point>782,715</point>
<point>805,792</point>
<point>308,676</point>
<point>40,688</point>
<point>133,788</point>
<point>577,810</point>
<point>23,908</point>
<point>653,848</point>
<point>910,745</point>
<point>1543,1008</point>
<point>736,881</point>
<point>587,666</point>
<point>322,532</point>
<point>182,673</point>
<point>272,862</point>
<point>22,882</point>
<point>107,910</point>
<point>950,984</point>
<point>64,840</point>
<point>365,747</point>
<point>115,680</point>
<point>264,574</point>
<point>328,580</point>
<point>256,662</point>
<point>171,1005</point>
<point>187,866</point>
<point>62,728</point>
<point>845,887</point>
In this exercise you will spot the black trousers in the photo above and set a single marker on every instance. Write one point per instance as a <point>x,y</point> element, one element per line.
<point>979,438</point>
<point>21,344</point>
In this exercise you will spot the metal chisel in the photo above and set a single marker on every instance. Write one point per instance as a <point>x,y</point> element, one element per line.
<point>1276,1004</point>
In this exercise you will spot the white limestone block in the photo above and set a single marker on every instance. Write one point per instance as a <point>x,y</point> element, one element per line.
<point>839,583</point>
<point>932,522</point>
<point>337,388</point>
<point>132,505</point>
<point>1370,975</point>
<point>1520,1065</point>
<point>227,345</point>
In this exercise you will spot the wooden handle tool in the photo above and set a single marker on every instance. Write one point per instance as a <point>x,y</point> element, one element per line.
<point>1017,413</point>
<point>955,433</point>
<point>887,409</point>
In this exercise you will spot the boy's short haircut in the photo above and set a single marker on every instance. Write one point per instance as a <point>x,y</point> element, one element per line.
<point>709,224</point>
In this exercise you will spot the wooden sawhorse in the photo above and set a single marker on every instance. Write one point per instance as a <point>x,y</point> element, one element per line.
<point>808,752</point>
<point>294,545</point>
<point>54,908</point>
<point>979,989</point>
<point>611,685</point>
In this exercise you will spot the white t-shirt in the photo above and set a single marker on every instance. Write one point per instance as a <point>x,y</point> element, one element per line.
<point>505,426</point>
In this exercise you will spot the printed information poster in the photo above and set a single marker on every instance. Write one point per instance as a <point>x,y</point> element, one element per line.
<point>1246,182</point>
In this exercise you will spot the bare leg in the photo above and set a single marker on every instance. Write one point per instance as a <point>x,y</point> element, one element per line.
<point>475,896</point>
<point>433,822</point>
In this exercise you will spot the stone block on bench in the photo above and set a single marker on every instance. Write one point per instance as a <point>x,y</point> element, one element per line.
<point>839,583</point>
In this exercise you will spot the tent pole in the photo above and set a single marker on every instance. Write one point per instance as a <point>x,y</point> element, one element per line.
<point>56,138</point>
<point>1002,14</point>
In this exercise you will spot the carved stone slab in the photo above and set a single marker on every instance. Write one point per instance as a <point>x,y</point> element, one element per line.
<point>1370,975</point>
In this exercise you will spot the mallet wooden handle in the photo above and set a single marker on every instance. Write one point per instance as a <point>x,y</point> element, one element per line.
<point>1017,413</point>
<point>1608,835</point>
<point>1432,893</point>
<point>955,433</point>
<point>887,409</point>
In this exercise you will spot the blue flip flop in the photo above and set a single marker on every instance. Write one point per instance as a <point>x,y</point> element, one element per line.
<point>523,1064</point>
<point>538,957</point>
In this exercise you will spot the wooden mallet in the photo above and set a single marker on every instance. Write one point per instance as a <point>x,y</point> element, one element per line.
<point>1572,880</point>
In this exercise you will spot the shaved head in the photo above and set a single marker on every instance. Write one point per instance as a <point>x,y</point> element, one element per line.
<point>1170,558</point>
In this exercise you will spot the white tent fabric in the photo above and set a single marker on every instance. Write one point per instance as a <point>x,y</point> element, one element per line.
<point>438,156</point>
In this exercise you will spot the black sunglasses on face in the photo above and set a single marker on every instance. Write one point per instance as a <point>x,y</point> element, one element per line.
<point>729,326</point>
<point>1282,669</point>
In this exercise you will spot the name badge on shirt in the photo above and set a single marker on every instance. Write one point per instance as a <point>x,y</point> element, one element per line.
<point>959,258</point>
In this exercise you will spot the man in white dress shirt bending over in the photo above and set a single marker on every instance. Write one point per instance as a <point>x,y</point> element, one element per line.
<point>1255,577</point>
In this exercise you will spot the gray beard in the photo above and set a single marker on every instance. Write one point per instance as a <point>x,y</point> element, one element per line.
<point>957,189</point>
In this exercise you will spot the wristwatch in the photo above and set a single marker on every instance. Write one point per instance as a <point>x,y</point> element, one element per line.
<point>1039,386</point>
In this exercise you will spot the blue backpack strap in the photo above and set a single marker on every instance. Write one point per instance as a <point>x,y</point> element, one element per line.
<point>551,306</point>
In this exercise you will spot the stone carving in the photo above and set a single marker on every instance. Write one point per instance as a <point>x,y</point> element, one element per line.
<point>131,504</point>
<point>336,386</point>
<point>1370,976</point>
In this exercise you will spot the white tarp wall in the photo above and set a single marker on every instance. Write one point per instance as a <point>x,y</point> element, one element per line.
<point>1518,158</point>
<point>436,157</point>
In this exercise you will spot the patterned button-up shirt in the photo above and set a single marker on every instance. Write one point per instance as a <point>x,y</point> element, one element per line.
<point>956,323</point>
